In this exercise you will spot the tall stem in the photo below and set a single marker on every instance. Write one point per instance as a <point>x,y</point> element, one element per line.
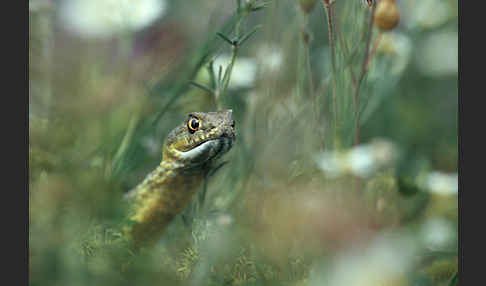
<point>362,73</point>
<point>234,52</point>
<point>344,46</point>
<point>360,78</point>
<point>328,8</point>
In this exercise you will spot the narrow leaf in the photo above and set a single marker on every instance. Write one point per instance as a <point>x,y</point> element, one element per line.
<point>205,88</point>
<point>224,38</point>
<point>259,6</point>
<point>220,71</point>
<point>227,73</point>
<point>248,35</point>
<point>453,280</point>
<point>212,76</point>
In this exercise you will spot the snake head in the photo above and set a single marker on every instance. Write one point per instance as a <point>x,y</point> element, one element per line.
<point>200,139</point>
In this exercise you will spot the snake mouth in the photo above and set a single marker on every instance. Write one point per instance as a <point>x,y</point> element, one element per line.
<point>230,134</point>
<point>207,150</point>
<point>223,137</point>
<point>204,142</point>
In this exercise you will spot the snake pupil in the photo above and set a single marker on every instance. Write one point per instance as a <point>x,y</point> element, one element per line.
<point>193,125</point>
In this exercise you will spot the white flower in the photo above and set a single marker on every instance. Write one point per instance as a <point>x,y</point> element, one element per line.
<point>399,47</point>
<point>270,57</point>
<point>440,183</point>
<point>104,18</point>
<point>243,73</point>
<point>331,163</point>
<point>428,14</point>
<point>362,160</point>
<point>438,54</point>
<point>438,234</point>
<point>382,263</point>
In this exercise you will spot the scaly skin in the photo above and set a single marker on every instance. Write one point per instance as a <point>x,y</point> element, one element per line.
<point>187,156</point>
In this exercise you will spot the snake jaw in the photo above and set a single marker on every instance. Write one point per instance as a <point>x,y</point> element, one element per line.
<point>188,148</point>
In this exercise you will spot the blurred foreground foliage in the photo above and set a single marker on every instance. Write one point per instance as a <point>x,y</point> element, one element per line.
<point>299,202</point>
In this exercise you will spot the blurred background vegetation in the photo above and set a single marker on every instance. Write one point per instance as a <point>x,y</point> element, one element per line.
<point>306,198</point>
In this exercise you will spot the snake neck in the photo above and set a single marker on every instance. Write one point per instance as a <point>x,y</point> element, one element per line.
<point>162,195</point>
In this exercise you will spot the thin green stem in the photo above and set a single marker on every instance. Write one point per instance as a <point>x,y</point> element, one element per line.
<point>328,9</point>
<point>308,71</point>
<point>128,137</point>
<point>360,78</point>
<point>230,67</point>
<point>362,73</point>
<point>344,46</point>
<point>234,52</point>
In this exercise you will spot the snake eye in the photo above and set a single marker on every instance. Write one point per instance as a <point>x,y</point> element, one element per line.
<point>193,124</point>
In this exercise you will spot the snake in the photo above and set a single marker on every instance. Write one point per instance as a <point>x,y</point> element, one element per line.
<point>190,151</point>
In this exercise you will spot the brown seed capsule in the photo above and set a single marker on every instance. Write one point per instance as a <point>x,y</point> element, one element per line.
<point>307,5</point>
<point>387,16</point>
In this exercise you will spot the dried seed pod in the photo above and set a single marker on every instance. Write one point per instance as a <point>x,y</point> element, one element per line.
<point>387,16</point>
<point>307,5</point>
